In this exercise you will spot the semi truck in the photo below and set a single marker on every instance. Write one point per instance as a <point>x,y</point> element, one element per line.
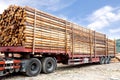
<point>33,41</point>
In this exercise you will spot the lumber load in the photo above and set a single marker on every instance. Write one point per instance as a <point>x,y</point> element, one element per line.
<point>18,29</point>
<point>28,27</point>
<point>111,46</point>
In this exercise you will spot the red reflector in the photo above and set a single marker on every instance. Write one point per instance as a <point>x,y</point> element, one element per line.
<point>2,62</point>
<point>17,61</point>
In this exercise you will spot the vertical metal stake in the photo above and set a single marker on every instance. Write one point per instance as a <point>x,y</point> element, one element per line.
<point>114,47</point>
<point>34,33</point>
<point>72,41</point>
<point>65,37</point>
<point>94,44</point>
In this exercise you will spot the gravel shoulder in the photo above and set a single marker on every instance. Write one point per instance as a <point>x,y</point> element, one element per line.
<point>79,72</point>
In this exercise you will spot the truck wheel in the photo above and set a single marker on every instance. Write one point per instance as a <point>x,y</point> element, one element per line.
<point>106,60</point>
<point>102,60</point>
<point>48,65</point>
<point>109,59</point>
<point>33,67</point>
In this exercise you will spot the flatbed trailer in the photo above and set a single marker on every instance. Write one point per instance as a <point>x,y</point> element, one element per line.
<point>79,46</point>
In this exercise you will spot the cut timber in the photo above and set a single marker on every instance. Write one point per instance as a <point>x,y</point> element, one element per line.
<point>31,28</point>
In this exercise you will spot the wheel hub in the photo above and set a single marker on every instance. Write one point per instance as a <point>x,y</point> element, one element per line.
<point>49,65</point>
<point>33,67</point>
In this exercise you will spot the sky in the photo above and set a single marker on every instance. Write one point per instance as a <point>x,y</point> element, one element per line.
<point>99,15</point>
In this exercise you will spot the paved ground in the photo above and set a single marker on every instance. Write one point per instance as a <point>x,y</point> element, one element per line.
<point>79,72</point>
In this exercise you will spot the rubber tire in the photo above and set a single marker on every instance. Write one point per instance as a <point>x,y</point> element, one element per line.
<point>102,60</point>
<point>32,61</point>
<point>106,60</point>
<point>45,62</point>
<point>109,60</point>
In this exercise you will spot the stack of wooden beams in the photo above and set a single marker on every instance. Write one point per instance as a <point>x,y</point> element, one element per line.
<point>28,27</point>
<point>111,46</point>
<point>12,26</point>
<point>81,40</point>
<point>100,43</point>
<point>24,26</point>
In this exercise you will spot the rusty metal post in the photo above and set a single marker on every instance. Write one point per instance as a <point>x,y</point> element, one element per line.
<point>94,45</point>
<point>33,51</point>
<point>90,43</point>
<point>72,41</point>
<point>106,53</point>
<point>114,47</point>
<point>66,37</point>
